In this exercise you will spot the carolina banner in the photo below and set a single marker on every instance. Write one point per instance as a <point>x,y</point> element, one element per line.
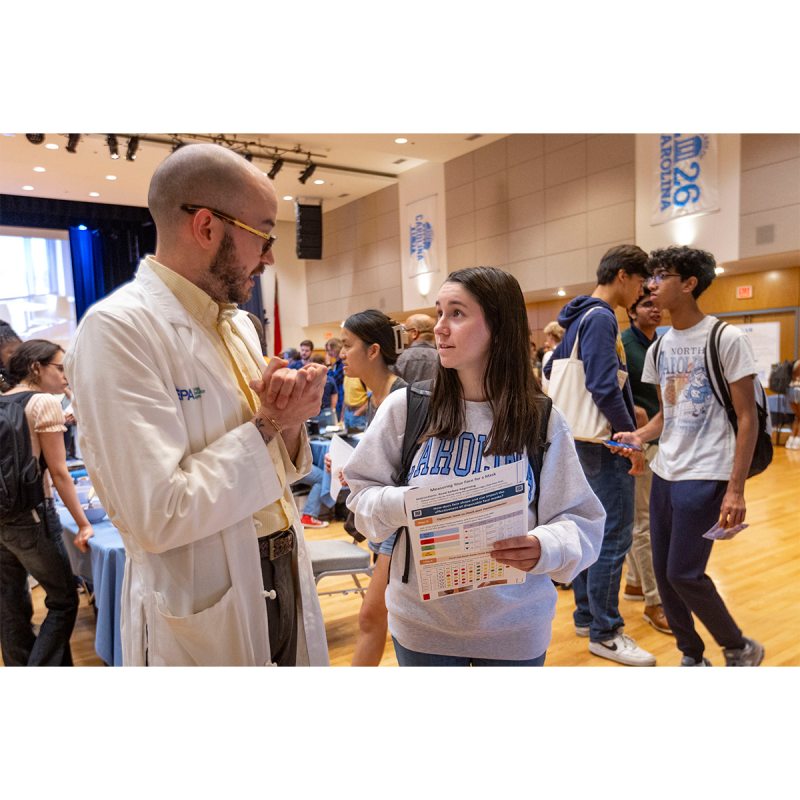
<point>685,176</point>
<point>422,223</point>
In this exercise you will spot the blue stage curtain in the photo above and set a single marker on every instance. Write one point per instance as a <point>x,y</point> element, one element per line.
<point>255,305</point>
<point>87,267</point>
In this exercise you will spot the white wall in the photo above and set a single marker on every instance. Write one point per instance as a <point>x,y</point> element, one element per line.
<point>717,232</point>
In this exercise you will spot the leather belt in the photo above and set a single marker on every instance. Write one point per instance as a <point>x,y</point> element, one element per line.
<point>276,545</point>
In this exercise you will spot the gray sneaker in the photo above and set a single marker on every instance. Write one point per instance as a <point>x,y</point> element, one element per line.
<point>688,661</point>
<point>623,650</point>
<point>751,655</point>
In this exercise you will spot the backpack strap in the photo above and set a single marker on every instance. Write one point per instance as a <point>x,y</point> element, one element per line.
<point>418,400</point>
<point>716,375</point>
<point>537,454</point>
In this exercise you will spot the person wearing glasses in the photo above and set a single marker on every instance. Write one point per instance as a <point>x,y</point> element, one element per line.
<point>30,541</point>
<point>620,277</point>
<point>420,360</point>
<point>192,444</point>
<point>640,584</point>
<point>702,464</point>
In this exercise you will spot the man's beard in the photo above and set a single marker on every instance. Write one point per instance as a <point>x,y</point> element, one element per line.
<point>225,278</point>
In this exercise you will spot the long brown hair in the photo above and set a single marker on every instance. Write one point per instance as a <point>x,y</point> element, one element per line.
<point>509,383</point>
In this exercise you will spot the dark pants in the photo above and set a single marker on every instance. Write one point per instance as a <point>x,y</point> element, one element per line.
<point>278,576</point>
<point>596,589</point>
<point>30,547</point>
<point>680,513</point>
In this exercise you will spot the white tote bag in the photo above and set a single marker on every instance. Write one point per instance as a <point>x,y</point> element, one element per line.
<point>569,393</point>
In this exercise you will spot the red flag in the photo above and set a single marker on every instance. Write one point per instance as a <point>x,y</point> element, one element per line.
<point>276,324</point>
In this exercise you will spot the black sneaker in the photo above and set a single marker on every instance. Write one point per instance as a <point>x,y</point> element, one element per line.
<point>751,655</point>
<point>688,661</point>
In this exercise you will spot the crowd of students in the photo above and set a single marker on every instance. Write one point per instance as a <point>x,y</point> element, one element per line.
<point>215,497</point>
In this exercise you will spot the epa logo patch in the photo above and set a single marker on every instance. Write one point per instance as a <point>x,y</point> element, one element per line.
<point>190,394</point>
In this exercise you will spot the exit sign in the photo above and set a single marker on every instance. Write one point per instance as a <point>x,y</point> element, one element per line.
<point>744,292</point>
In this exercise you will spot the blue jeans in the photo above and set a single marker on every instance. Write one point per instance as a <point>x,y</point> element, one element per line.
<point>352,422</point>
<point>410,658</point>
<point>597,588</point>
<point>314,480</point>
<point>680,513</point>
<point>32,547</point>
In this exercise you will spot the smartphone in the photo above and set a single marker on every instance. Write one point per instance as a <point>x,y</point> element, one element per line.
<point>612,443</point>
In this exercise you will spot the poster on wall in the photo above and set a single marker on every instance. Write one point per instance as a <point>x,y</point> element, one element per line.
<point>422,223</point>
<point>765,337</point>
<point>685,176</point>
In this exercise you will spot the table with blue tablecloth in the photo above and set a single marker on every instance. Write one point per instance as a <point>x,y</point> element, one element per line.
<point>105,566</point>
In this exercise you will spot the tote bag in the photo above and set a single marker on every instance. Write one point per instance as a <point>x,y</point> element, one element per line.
<point>570,395</point>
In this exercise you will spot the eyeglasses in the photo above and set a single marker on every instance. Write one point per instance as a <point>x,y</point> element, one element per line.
<point>59,367</point>
<point>659,275</point>
<point>269,239</point>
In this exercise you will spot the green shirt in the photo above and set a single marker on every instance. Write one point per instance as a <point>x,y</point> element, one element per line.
<point>644,394</point>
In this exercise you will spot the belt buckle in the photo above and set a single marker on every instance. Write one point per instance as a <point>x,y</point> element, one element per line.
<point>281,544</point>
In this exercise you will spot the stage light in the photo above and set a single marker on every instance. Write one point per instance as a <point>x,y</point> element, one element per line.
<point>133,146</point>
<point>72,142</point>
<point>277,166</point>
<point>113,147</point>
<point>307,172</point>
<point>35,138</point>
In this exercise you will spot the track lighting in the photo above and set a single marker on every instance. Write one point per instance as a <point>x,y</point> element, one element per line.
<point>133,146</point>
<point>113,147</point>
<point>307,172</point>
<point>72,142</point>
<point>35,138</point>
<point>277,166</point>
<point>247,155</point>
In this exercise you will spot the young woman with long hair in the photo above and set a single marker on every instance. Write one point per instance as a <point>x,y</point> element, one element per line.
<point>370,345</point>
<point>31,543</point>
<point>485,393</point>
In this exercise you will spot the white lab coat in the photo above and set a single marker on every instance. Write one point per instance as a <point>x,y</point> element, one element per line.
<point>181,477</point>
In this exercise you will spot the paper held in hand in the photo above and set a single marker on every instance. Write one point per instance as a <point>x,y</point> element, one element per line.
<point>452,527</point>
<point>340,453</point>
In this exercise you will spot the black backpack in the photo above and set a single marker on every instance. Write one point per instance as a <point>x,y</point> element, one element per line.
<point>762,453</point>
<point>418,396</point>
<point>780,376</point>
<point>21,486</point>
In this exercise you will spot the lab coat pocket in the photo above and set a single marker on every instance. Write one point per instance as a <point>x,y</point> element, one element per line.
<point>212,637</point>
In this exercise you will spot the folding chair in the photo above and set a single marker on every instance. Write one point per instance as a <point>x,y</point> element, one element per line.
<point>334,557</point>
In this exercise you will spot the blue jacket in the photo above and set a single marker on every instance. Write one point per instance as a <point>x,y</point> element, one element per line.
<point>601,359</point>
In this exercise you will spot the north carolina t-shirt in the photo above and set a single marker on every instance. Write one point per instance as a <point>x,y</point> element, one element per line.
<point>698,441</point>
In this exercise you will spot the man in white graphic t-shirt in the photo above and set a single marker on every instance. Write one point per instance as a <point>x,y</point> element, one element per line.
<point>702,464</point>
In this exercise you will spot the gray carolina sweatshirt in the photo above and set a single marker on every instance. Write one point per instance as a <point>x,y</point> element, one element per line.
<point>504,622</point>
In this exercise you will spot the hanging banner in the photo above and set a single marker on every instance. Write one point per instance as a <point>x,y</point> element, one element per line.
<point>685,176</point>
<point>421,226</point>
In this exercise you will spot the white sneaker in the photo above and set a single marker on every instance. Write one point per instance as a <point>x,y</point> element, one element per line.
<point>623,650</point>
<point>793,443</point>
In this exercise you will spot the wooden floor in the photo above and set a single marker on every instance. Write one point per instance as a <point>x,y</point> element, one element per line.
<point>758,574</point>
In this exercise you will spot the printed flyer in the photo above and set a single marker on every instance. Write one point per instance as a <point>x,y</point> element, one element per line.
<point>453,525</point>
